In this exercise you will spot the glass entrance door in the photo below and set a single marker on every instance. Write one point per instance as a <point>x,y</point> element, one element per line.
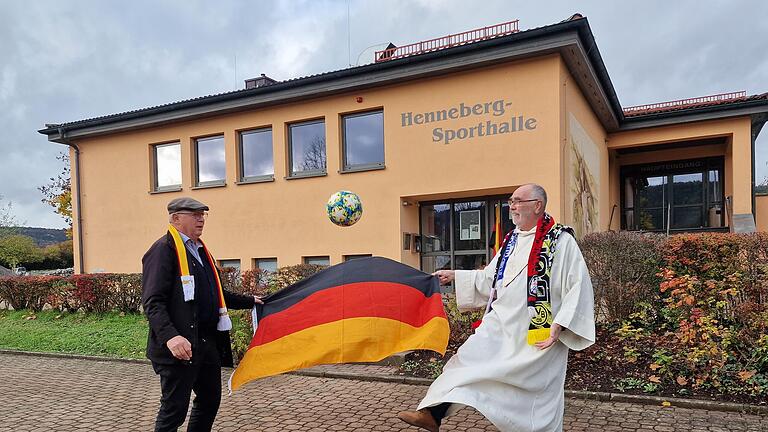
<point>461,234</point>
<point>675,196</point>
<point>470,233</point>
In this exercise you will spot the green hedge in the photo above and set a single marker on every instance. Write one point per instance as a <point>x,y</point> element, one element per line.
<point>101,292</point>
<point>689,311</point>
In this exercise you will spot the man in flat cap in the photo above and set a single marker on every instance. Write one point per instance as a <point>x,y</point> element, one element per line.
<point>189,326</point>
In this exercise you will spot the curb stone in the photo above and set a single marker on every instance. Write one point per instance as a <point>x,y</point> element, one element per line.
<point>74,356</point>
<point>401,379</point>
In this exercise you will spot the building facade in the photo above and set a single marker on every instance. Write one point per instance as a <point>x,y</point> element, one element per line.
<point>433,141</point>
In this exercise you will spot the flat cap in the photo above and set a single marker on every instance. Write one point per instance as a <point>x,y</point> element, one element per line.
<point>186,203</point>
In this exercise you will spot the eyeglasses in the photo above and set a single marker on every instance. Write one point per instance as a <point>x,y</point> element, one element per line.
<point>518,201</point>
<point>196,215</point>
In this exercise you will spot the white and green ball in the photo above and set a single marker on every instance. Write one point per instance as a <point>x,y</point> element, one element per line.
<point>344,208</point>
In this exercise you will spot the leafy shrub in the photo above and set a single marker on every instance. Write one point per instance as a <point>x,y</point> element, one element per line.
<point>255,282</point>
<point>101,292</point>
<point>289,275</point>
<point>460,322</point>
<point>716,301</point>
<point>92,292</point>
<point>230,278</point>
<point>125,291</point>
<point>27,292</point>
<point>241,333</point>
<point>623,267</point>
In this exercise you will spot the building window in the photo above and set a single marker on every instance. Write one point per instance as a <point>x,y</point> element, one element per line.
<point>233,264</point>
<point>306,142</point>
<point>167,167</point>
<point>354,257</point>
<point>363,141</point>
<point>268,265</point>
<point>673,196</point>
<point>210,167</point>
<point>256,161</point>
<point>318,260</point>
<point>460,234</point>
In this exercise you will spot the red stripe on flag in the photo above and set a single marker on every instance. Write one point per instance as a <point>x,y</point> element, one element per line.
<point>363,299</point>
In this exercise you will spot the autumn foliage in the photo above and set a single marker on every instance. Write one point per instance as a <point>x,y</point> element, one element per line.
<point>700,324</point>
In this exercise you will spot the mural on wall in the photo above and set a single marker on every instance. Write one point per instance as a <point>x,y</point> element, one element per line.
<point>585,175</point>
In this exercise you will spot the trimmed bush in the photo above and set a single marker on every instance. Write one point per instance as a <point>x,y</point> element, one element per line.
<point>460,322</point>
<point>100,292</point>
<point>255,282</point>
<point>28,292</point>
<point>623,267</point>
<point>289,275</point>
<point>716,304</point>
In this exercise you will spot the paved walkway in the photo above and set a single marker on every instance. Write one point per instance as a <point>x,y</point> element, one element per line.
<point>53,394</point>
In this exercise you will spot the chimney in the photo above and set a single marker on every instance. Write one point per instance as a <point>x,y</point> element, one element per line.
<point>388,52</point>
<point>261,81</point>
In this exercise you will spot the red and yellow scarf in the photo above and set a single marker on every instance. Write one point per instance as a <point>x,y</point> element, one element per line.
<point>539,274</point>
<point>225,323</point>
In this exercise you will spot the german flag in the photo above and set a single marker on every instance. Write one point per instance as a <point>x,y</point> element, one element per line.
<point>362,310</point>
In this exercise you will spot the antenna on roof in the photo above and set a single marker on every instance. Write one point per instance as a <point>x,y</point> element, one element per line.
<point>349,38</point>
<point>381,44</point>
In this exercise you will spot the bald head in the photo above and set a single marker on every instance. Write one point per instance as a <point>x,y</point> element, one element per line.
<point>536,191</point>
<point>527,205</point>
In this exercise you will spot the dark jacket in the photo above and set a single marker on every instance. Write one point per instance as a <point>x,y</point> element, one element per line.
<point>168,314</point>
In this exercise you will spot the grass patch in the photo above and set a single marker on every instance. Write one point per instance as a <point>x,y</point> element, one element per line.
<point>108,334</point>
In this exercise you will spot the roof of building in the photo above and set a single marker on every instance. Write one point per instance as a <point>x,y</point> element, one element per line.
<point>572,38</point>
<point>719,100</point>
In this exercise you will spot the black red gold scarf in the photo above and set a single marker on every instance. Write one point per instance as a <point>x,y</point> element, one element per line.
<point>538,275</point>
<point>224,323</point>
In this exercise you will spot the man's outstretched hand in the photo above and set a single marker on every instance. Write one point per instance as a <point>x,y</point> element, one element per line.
<point>445,276</point>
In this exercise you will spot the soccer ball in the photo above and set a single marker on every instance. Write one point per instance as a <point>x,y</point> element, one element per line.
<point>344,208</point>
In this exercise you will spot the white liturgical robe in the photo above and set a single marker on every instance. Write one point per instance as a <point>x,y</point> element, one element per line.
<point>515,385</point>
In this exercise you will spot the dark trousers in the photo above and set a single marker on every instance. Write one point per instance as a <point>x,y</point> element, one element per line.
<point>439,411</point>
<point>177,383</point>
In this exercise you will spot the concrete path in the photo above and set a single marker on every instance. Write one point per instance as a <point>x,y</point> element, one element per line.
<point>54,394</point>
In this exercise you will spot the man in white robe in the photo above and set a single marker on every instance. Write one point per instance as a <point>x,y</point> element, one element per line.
<point>517,386</point>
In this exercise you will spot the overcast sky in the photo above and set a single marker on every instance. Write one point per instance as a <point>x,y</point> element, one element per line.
<point>66,60</point>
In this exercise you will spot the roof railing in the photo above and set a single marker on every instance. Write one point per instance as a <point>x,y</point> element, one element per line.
<point>449,41</point>
<point>684,103</point>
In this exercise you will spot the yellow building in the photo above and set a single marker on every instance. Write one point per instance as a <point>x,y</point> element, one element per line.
<point>433,137</point>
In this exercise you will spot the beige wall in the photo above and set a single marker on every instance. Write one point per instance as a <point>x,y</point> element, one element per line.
<point>736,150</point>
<point>761,212</point>
<point>584,157</point>
<point>286,218</point>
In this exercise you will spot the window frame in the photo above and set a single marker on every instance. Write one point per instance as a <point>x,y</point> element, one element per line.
<point>305,259</point>
<point>197,184</point>
<point>222,262</point>
<point>241,177</point>
<point>256,263</point>
<point>350,257</point>
<point>452,252</point>
<point>156,188</point>
<point>304,174</point>
<point>349,168</point>
<point>702,166</point>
